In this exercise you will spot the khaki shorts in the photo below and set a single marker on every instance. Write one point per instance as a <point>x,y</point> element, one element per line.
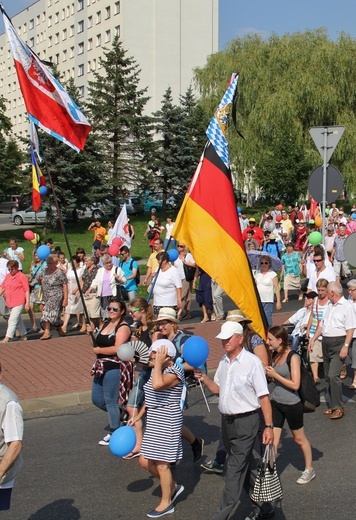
<point>316,356</point>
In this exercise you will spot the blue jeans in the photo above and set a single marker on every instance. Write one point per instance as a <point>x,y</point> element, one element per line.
<point>172,245</point>
<point>268,308</point>
<point>105,395</point>
<point>137,394</point>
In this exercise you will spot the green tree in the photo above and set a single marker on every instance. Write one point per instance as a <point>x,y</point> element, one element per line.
<point>286,85</point>
<point>123,132</point>
<point>11,157</point>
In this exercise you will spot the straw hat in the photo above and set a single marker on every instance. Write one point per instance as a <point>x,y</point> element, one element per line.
<point>167,313</point>
<point>237,315</point>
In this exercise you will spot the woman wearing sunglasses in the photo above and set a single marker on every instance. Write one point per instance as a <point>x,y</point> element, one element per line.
<point>107,368</point>
<point>267,284</point>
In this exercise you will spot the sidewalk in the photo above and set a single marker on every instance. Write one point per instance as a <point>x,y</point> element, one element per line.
<point>56,373</point>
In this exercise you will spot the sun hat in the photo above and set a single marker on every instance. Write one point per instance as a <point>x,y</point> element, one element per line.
<point>237,315</point>
<point>252,219</point>
<point>230,328</point>
<point>167,313</point>
<point>311,294</point>
<point>160,343</point>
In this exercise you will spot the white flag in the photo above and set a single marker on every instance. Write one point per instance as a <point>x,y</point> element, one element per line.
<point>121,229</point>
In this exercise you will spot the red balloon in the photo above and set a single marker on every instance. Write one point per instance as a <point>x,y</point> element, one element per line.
<point>114,249</point>
<point>279,207</point>
<point>278,218</point>
<point>29,235</point>
<point>117,241</point>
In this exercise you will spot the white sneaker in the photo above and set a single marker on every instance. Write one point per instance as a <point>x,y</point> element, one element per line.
<point>306,476</point>
<point>105,441</point>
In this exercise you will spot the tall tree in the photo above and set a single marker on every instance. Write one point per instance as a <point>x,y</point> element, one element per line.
<point>116,107</point>
<point>286,85</point>
<point>11,156</point>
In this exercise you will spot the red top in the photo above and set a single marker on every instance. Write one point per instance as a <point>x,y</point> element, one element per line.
<point>15,289</point>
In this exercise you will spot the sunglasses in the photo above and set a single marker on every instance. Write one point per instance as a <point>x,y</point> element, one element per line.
<point>115,309</point>
<point>317,259</point>
<point>131,311</point>
<point>163,323</point>
<point>179,245</point>
<point>264,263</point>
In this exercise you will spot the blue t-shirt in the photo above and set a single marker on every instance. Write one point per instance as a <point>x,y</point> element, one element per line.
<point>128,267</point>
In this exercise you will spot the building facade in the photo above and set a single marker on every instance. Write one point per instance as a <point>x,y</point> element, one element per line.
<point>167,39</point>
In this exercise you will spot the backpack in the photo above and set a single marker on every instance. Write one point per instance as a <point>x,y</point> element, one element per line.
<point>308,392</point>
<point>138,274</point>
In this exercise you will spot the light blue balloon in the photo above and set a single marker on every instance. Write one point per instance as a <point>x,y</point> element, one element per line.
<point>195,351</point>
<point>43,190</point>
<point>238,209</point>
<point>43,252</point>
<point>173,255</point>
<point>122,441</point>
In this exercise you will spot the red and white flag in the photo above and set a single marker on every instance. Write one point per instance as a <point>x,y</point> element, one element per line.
<point>121,229</point>
<point>47,103</point>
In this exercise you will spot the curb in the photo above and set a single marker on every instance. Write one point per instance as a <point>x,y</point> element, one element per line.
<point>56,401</point>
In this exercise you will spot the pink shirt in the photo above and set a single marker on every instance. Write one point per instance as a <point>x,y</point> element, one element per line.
<point>15,289</point>
<point>106,291</point>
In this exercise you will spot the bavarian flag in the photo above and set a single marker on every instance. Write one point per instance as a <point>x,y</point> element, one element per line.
<point>208,223</point>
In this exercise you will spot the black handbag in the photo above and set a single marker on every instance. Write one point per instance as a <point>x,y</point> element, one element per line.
<point>267,487</point>
<point>121,292</point>
<point>189,272</point>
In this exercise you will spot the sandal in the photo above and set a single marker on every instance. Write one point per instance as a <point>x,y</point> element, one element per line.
<point>343,372</point>
<point>132,455</point>
<point>329,411</point>
<point>285,300</point>
<point>353,386</point>
<point>317,381</point>
<point>46,335</point>
<point>338,413</point>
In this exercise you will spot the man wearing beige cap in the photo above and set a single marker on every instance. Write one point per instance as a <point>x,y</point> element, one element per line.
<point>241,384</point>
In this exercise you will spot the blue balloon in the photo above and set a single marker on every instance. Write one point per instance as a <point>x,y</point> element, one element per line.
<point>122,441</point>
<point>353,216</point>
<point>173,254</point>
<point>195,351</point>
<point>43,252</point>
<point>43,190</point>
<point>238,209</point>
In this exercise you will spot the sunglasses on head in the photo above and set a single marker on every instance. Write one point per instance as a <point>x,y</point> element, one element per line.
<point>115,309</point>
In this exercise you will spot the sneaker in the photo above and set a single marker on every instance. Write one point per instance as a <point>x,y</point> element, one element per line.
<point>306,476</point>
<point>213,467</point>
<point>198,449</point>
<point>105,441</point>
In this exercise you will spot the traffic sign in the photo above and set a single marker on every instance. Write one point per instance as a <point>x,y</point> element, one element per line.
<point>333,134</point>
<point>334,184</point>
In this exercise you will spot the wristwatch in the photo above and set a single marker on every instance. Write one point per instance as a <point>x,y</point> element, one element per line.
<point>269,426</point>
<point>346,344</point>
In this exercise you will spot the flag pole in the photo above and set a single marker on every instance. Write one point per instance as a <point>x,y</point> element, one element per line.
<point>63,230</point>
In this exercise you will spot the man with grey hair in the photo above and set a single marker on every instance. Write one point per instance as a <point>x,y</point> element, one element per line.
<point>11,434</point>
<point>337,327</point>
<point>351,286</point>
<point>338,255</point>
<point>240,382</point>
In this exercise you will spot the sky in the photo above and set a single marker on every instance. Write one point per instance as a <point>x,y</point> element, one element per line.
<point>238,18</point>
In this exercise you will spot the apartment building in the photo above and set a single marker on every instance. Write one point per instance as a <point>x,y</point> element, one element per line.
<point>167,38</point>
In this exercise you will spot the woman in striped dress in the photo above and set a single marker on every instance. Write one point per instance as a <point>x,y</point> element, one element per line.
<point>162,440</point>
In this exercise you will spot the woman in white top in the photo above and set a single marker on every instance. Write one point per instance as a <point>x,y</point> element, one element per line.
<point>267,284</point>
<point>169,229</point>
<point>167,291</point>
<point>14,252</point>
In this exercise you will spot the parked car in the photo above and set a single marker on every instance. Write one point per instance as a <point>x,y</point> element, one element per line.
<point>152,204</point>
<point>9,203</point>
<point>29,216</point>
<point>134,204</point>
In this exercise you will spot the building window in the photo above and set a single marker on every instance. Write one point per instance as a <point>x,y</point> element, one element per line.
<point>117,7</point>
<point>50,21</point>
<point>80,5</point>
<point>98,17</point>
<point>38,19</point>
<point>81,70</point>
<point>31,24</point>
<point>68,11</point>
<point>71,52</point>
<point>65,55</point>
<point>72,9</point>
<point>56,38</point>
<point>88,3</point>
<point>81,48</point>
<point>56,18</point>
<point>63,14</point>
<point>90,44</point>
<point>43,17</point>
<point>90,22</point>
<point>89,66</point>
<point>49,3</point>
<point>98,40</point>
<point>80,26</point>
<point>94,64</point>
<point>64,34</point>
<point>107,12</point>
<point>32,42</point>
<point>107,36</point>
<point>57,59</point>
<point>49,41</point>
<point>24,27</point>
<point>81,90</point>
<point>117,31</point>
<point>71,30</point>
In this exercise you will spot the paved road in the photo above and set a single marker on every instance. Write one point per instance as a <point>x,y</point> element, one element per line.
<point>68,476</point>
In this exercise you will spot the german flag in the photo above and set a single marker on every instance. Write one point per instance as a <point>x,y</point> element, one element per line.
<point>208,223</point>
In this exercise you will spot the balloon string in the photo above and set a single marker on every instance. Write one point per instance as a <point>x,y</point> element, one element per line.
<point>202,391</point>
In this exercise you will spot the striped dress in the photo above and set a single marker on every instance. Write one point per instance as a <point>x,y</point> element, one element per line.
<point>162,439</point>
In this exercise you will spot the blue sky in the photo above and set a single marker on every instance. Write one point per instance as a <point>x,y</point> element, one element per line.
<point>237,18</point>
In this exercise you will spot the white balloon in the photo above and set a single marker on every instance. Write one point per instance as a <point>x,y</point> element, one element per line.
<point>125,352</point>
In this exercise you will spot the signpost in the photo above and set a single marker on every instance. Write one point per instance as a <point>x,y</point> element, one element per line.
<point>326,139</point>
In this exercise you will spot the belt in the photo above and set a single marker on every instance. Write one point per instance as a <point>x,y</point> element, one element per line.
<point>231,418</point>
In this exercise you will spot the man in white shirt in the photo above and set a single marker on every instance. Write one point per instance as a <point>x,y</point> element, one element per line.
<point>11,434</point>
<point>241,384</point>
<point>337,326</point>
<point>321,270</point>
